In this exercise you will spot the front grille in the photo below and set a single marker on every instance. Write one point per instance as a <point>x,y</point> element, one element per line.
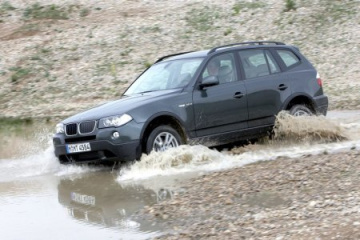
<point>71,129</point>
<point>87,127</point>
<point>80,128</point>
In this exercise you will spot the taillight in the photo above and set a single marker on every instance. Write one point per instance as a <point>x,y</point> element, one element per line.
<point>318,79</point>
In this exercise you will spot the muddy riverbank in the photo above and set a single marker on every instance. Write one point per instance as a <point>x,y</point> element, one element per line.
<point>295,186</point>
<point>304,198</point>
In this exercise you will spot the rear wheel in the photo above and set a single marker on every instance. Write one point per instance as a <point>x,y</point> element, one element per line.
<point>163,138</point>
<point>300,110</point>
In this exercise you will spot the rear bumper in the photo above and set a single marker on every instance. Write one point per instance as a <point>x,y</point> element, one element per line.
<point>321,105</point>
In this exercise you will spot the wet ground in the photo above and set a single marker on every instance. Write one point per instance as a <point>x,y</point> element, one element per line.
<point>41,199</point>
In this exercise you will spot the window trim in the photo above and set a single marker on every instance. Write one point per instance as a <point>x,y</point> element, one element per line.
<point>264,50</point>
<point>207,60</point>
<point>281,61</point>
<point>272,58</point>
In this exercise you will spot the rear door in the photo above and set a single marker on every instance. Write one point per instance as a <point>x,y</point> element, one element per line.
<point>221,108</point>
<point>266,87</point>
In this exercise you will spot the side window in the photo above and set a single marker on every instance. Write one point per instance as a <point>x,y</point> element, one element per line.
<point>288,57</point>
<point>255,63</point>
<point>223,67</point>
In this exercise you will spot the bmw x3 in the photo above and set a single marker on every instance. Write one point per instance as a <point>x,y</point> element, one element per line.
<point>214,97</point>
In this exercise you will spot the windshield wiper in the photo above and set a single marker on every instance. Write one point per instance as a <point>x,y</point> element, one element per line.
<point>147,91</point>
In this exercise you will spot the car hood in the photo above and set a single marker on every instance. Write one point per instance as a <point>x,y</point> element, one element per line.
<point>118,107</point>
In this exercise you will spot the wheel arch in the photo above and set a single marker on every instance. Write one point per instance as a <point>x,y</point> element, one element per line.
<point>162,119</point>
<point>302,99</point>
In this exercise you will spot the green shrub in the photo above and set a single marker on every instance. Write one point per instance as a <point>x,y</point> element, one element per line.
<point>36,11</point>
<point>147,64</point>
<point>247,5</point>
<point>331,11</point>
<point>18,73</point>
<point>6,6</point>
<point>202,19</point>
<point>227,31</point>
<point>84,12</point>
<point>289,5</point>
<point>12,121</point>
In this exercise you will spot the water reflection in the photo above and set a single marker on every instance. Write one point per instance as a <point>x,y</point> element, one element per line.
<point>97,198</point>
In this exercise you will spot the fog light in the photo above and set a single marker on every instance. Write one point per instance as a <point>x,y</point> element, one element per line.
<point>116,135</point>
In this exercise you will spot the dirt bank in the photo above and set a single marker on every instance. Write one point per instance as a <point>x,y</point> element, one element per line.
<point>305,198</point>
<point>61,57</point>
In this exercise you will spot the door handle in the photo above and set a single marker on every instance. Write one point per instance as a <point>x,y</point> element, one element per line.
<point>238,95</point>
<point>282,87</point>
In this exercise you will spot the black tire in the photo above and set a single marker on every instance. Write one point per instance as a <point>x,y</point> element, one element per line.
<point>300,110</point>
<point>159,133</point>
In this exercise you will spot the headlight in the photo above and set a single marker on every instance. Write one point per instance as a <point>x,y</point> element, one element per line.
<point>59,128</point>
<point>115,121</point>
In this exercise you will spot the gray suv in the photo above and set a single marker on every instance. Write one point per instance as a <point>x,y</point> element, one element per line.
<point>213,97</point>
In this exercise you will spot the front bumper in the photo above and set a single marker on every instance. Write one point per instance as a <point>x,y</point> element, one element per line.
<point>104,147</point>
<point>101,151</point>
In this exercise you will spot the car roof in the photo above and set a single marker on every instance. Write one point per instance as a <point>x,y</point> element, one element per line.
<point>204,53</point>
<point>195,54</point>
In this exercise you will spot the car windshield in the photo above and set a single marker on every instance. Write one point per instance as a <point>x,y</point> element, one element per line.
<point>165,75</point>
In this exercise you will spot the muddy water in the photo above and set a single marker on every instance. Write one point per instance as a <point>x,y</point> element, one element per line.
<point>41,199</point>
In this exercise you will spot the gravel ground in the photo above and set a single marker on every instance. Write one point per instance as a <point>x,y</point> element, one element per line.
<point>314,197</point>
<point>60,57</point>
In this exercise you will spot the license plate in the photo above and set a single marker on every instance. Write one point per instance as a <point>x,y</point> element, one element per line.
<point>83,199</point>
<point>80,147</point>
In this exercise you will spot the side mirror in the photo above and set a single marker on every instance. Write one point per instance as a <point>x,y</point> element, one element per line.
<point>209,81</point>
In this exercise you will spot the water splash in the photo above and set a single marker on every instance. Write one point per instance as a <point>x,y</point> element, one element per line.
<point>176,160</point>
<point>40,160</point>
<point>294,137</point>
<point>308,128</point>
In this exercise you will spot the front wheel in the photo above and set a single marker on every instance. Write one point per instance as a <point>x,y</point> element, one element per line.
<point>163,138</point>
<point>300,110</point>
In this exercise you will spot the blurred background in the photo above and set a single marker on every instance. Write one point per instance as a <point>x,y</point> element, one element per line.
<point>59,57</point>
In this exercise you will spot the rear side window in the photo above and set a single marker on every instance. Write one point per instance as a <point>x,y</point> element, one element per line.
<point>288,57</point>
<point>258,63</point>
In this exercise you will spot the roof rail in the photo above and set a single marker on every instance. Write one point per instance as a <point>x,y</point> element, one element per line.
<point>171,55</point>
<point>247,43</point>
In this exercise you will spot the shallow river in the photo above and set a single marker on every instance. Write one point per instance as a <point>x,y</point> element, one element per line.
<point>41,199</point>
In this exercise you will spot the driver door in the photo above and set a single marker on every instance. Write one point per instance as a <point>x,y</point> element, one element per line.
<point>221,108</point>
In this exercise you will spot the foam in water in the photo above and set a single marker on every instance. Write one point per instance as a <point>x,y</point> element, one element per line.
<point>38,162</point>
<point>176,160</point>
<point>294,137</point>
<point>307,128</point>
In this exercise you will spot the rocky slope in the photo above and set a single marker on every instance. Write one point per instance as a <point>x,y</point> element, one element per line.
<point>58,57</point>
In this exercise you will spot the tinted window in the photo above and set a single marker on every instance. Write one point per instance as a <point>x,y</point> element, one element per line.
<point>165,75</point>
<point>223,67</point>
<point>288,57</point>
<point>258,63</point>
